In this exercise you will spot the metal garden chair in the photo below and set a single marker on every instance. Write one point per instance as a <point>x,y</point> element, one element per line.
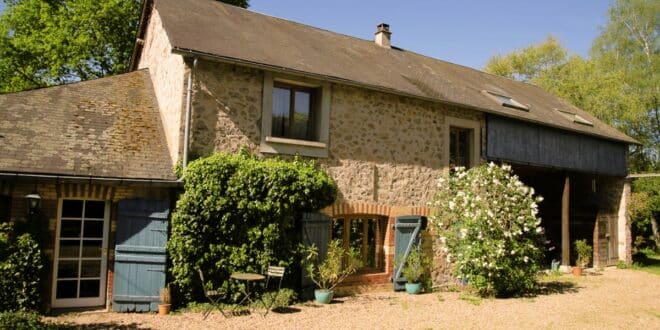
<point>277,274</point>
<point>213,295</point>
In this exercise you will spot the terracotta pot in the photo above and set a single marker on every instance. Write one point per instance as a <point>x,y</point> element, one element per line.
<point>164,309</point>
<point>577,271</point>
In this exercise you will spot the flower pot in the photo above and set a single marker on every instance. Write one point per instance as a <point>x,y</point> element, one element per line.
<point>323,296</point>
<point>577,271</point>
<point>413,288</point>
<point>164,309</point>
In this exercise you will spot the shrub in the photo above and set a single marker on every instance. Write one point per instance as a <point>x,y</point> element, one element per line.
<point>584,252</point>
<point>488,229</point>
<point>338,264</point>
<point>238,213</point>
<point>416,266</point>
<point>25,321</point>
<point>20,271</point>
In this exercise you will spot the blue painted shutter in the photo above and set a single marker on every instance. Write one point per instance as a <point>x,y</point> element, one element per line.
<point>140,254</point>
<point>407,230</point>
<point>315,230</point>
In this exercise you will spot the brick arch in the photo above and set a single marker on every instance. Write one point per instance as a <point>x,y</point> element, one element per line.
<point>357,208</point>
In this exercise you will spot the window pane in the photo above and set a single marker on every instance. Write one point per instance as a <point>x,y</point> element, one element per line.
<point>67,268</point>
<point>95,209</point>
<point>70,249</point>
<point>70,228</point>
<point>89,288</point>
<point>281,107</point>
<point>301,115</point>
<point>67,289</point>
<point>357,235</point>
<point>5,207</point>
<point>371,244</point>
<point>72,209</point>
<point>91,249</point>
<point>459,147</point>
<point>93,229</point>
<point>338,229</point>
<point>90,268</point>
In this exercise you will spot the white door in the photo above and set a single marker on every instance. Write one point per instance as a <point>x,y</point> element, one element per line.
<point>80,268</point>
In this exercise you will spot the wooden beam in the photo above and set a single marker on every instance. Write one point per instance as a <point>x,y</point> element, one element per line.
<point>565,238</point>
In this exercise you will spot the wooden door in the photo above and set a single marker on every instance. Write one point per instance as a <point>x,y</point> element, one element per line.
<point>140,254</point>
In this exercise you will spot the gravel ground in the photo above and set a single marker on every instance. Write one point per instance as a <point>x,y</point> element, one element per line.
<point>614,298</point>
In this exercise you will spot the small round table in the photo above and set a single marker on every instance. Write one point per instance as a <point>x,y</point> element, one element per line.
<point>247,278</point>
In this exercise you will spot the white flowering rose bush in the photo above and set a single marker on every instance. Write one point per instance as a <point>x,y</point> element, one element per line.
<point>488,229</point>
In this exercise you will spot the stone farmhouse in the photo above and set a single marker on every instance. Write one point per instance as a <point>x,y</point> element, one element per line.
<point>384,122</point>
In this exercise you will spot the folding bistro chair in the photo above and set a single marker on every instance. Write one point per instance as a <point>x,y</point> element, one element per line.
<point>213,295</point>
<point>277,274</point>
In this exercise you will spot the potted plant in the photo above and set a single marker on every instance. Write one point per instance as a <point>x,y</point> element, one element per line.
<point>165,301</point>
<point>584,252</point>
<point>339,263</point>
<point>414,268</point>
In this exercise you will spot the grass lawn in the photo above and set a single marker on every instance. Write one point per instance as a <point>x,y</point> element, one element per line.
<point>648,261</point>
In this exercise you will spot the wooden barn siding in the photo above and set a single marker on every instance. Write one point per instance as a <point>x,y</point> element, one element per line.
<point>520,142</point>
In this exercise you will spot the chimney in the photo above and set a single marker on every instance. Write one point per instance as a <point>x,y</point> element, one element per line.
<point>383,35</point>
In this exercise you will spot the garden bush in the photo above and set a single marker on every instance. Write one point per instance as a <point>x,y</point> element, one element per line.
<point>27,321</point>
<point>238,213</point>
<point>487,226</point>
<point>20,271</point>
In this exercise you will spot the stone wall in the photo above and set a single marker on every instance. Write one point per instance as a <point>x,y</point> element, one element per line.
<point>168,75</point>
<point>384,149</point>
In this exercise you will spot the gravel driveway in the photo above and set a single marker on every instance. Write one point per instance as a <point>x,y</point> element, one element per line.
<point>624,299</point>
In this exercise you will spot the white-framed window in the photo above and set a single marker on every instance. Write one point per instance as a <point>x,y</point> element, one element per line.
<point>295,116</point>
<point>462,143</point>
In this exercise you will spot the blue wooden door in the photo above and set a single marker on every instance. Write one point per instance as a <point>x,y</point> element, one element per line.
<point>140,254</point>
<point>407,230</point>
<point>316,231</point>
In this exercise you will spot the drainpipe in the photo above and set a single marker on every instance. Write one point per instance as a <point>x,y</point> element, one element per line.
<point>186,129</point>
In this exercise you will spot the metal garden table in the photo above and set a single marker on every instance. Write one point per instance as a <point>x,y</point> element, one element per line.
<point>248,278</point>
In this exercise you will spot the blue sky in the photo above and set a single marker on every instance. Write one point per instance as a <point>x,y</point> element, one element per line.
<point>464,32</point>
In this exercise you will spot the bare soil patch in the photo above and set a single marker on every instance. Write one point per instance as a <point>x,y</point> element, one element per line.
<point>614,298</point>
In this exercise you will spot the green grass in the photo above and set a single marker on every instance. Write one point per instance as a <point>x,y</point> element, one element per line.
<point>647,261</point>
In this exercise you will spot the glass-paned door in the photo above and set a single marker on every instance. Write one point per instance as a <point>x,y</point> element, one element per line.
<point>80,254</point>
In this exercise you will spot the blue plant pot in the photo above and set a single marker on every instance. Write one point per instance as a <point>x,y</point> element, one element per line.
<point>323,296</point>
<point>413,288</point>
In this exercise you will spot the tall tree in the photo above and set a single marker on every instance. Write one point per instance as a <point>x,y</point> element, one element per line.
<point>52,42</point>
<point>618,83</point>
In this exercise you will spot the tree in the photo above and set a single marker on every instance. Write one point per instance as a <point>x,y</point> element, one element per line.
<point>45,43</point>
<point>53,42</point>
<point>618,83</point>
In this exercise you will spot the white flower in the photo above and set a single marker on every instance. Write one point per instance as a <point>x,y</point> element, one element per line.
<point>513,252</point>
<point>451,205</point>
<point>539,229</point>
<point>526,259</point>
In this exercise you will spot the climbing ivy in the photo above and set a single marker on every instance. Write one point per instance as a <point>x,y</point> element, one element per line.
<point>238,213</point>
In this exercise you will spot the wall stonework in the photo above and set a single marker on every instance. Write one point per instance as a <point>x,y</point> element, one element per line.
<point>384,149</point>
<point>168,76</point>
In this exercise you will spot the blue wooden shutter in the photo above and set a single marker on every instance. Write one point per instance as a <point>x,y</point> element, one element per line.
<point>140,254</point>
<point>315,230</point>
<point>407,230</point>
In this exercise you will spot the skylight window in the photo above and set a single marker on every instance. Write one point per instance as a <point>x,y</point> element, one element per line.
<point>574,117</point>
<point>505,101</point>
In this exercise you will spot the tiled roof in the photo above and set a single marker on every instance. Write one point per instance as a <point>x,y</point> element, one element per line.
<point>108,127</point>
<point>234,34</point>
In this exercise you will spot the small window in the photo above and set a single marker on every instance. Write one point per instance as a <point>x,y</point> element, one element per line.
<point>366,234</point>
<point>574,117</point>
<point>506,101</point>
<point>5,208</point>
<point>459,147</point>
<point>294,111</point>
